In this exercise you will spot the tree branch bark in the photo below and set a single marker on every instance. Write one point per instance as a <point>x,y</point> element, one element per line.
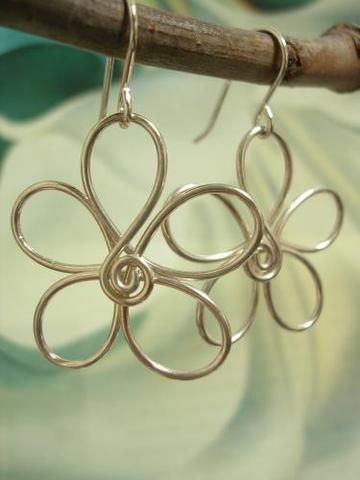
<point>186,44</point>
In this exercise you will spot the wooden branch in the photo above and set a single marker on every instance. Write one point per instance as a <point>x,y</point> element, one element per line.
<point>187,44</point>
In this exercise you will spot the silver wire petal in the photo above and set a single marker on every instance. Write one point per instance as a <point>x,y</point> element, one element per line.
<point>233,261</point>
<point>319,298</point>
<point>206,302</point>
<point>39,319</point>
<point>244,324</point>
<point>204,258</point>
<point>19,236</point>
<point>288,168</point>
<point>294,206</point>
<point>157,188</point>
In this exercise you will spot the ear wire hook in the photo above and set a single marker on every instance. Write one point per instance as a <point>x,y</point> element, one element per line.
<point>216,112</point>
<point>264,109</point>
<point>124,99</point>
<point>109,68</point>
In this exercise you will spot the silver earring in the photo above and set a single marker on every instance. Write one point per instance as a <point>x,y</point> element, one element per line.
<point>125,275</point>
<point>266,263</point>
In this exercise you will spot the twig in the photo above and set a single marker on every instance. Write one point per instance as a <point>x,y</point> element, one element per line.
<point>187,44</point>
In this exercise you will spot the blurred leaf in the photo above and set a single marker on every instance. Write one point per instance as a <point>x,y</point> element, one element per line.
<point>29,87</point>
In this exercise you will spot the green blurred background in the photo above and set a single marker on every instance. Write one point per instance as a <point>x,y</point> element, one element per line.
<point>283,406</point>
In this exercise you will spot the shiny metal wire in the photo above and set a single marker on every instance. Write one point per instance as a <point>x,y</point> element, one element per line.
<point>264,111</point>
<point>124,105</point>
<point>126,276</point>
<point>267,261</point>
<point>264,116</point>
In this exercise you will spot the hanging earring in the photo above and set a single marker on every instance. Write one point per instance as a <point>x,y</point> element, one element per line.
<point>266,263</point>
<point>126,276</point>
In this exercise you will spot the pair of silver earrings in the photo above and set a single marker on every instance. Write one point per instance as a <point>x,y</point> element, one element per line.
<point>127,277</point>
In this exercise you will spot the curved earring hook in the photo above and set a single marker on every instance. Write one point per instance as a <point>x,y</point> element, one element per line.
<point>216,112</point>
<point>124,99</point>
<point>264,108</point>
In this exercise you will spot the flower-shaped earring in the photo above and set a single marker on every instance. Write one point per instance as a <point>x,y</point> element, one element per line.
<point>125,275</point>
<point>266,263</point>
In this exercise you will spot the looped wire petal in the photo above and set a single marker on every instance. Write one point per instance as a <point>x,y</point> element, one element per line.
<point>121,242</point>
<point>318,294</point>
<point>300,200</point>
<point>19,236</point>
<point>237,257</point>
<point>245,325</point>
<point>39,319</point>
<point>204,258</point>
<point>202,299</point>
<point>288,168</point>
